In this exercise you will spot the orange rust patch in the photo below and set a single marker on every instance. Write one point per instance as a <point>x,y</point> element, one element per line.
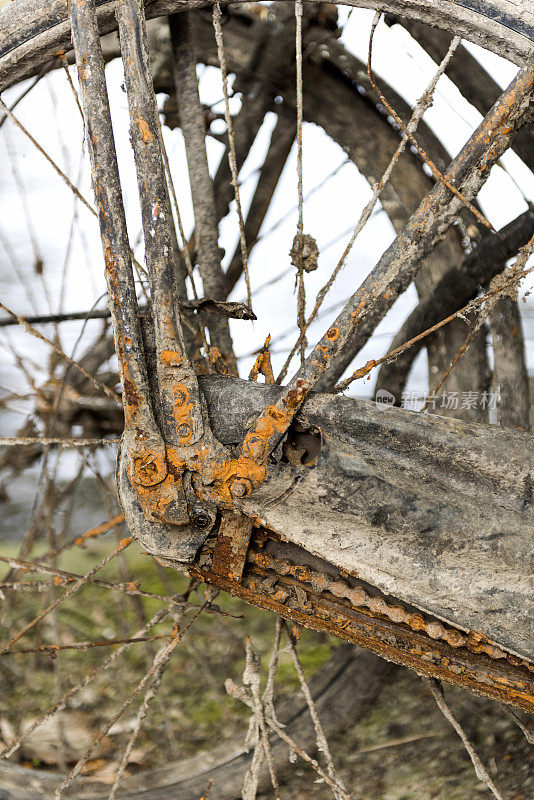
<point>182,412</point>
<point>256,441</point>
<point>216,480</point>
<point>356,313</point>
<point>295,396</point>
<point>171,358</point>
<point>332,334</point>
<point>144,130</point>
<point>262,365</point>
<point>124,543</point>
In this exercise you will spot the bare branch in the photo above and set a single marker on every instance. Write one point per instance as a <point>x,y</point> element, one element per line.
<point>481,771</point>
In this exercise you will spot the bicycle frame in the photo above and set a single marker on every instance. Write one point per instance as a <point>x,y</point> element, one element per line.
<point>196,504</point>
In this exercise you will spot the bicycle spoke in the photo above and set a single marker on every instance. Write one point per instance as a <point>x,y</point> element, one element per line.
<point>31,441</point>
<point>474,82</point>
<point>510,277</point>
<point>398,265</point>
<point>471,168</point>
<point>422,105</point>
<point>510,280</point>
<point>435,171</point>
<point>272,62</point>
<point>299,240</point>
<point>455,289</point>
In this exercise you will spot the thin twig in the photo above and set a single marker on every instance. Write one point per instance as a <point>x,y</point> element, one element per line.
<point>74,588</point>
<point>161,660</point>
<point>184,250</point>
<point>251,678</point>
<point>161,655</point>
<point>322,743</point>
<point>498,285</point>
<point>529,735</point>
<point>158,617</point>
<point>491,296</point>
<point>480,770</point>
<point>97,383</point>
<point>30,441</point>
<point>64,577</point>
<point>61,174</point>
<point>245,696</point>
<point>82,647</point>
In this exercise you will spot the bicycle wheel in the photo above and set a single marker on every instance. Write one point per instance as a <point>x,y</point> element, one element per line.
<point>416,174</point>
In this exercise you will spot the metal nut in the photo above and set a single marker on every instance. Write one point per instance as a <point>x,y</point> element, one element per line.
<point>202,520</point>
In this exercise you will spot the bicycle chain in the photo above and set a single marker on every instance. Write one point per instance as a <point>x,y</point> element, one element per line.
<point>320,582</point>
<point>237,561</point>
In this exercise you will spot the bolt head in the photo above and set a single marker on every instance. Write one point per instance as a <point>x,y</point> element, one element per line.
<point>240,488</point>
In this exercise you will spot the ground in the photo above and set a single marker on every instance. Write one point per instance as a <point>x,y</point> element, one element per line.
<point>403,750</point>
